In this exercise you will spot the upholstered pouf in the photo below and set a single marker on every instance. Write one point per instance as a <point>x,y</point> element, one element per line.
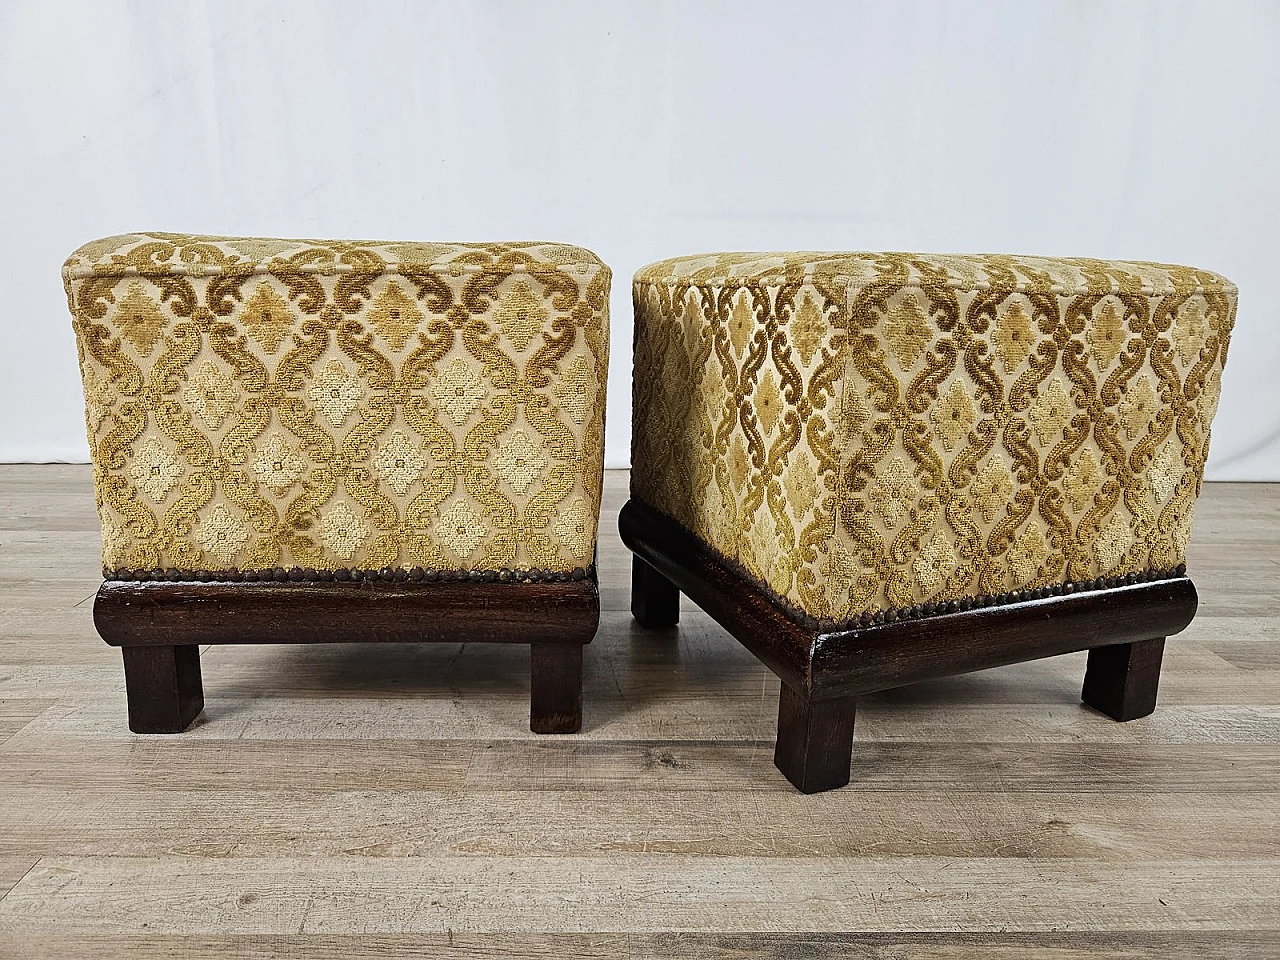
<point>300,440</point>
<point>874,469</point>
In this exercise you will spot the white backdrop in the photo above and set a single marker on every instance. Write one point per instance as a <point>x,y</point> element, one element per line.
<point>643,130</point>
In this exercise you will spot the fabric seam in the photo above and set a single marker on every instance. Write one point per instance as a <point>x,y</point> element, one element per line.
<point>853,283</point>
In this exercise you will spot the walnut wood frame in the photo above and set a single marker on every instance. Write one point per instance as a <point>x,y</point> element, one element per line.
<point>825,667</point>
<point>160,625</point>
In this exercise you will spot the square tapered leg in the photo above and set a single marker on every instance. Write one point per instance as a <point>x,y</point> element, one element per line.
<point>655,600</point>
<point>163,687</point>
<point>555,704</point>
<point>815,740</point>
<point>1122,680</point>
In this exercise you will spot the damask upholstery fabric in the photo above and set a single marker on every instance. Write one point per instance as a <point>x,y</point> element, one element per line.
<point>256,403</point>
<point>864,432</point>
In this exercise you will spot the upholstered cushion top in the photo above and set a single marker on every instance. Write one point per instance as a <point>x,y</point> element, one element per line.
<point>180,254</point>
<point>1057,275</point>
<point>258,404</point>
<point>863,432</point>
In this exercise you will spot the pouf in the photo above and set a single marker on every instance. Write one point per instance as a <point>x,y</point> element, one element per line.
<point>874,469</point>
<point>312,440</point>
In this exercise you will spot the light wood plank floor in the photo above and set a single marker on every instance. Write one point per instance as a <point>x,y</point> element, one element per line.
<point>346,801</point>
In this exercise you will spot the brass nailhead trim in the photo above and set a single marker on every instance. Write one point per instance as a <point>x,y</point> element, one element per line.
<point>924,610</point>
<point>347,575</point>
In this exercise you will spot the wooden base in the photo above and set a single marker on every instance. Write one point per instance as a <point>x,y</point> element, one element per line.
<point>824,667</point>
<point>160,625</point>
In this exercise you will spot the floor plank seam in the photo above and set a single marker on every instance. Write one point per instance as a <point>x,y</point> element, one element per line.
<point>13,733</point>
<point>24,876</point>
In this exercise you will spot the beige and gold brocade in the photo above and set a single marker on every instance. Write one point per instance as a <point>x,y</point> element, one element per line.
<point>864,432</point>
<point>257,403</point>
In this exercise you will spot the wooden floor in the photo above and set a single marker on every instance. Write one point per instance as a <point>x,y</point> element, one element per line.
<point>338,802</point>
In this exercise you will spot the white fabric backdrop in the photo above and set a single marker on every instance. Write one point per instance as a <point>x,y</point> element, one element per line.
<point>643,130</point>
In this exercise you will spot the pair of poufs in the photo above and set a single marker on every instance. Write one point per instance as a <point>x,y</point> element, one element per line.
<point>871,469</point>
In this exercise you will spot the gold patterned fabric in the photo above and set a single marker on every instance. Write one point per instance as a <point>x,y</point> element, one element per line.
<point>256,404</point>
<point>865,432</point>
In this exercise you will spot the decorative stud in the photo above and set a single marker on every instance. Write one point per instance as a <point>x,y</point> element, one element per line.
<point>347,574</point>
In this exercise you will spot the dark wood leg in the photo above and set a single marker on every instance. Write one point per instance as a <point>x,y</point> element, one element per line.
<point>655,600</point>
<point>163,687</point>
<point>555,703</point>
<point>1121,680</point>
<point>815,740</point>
